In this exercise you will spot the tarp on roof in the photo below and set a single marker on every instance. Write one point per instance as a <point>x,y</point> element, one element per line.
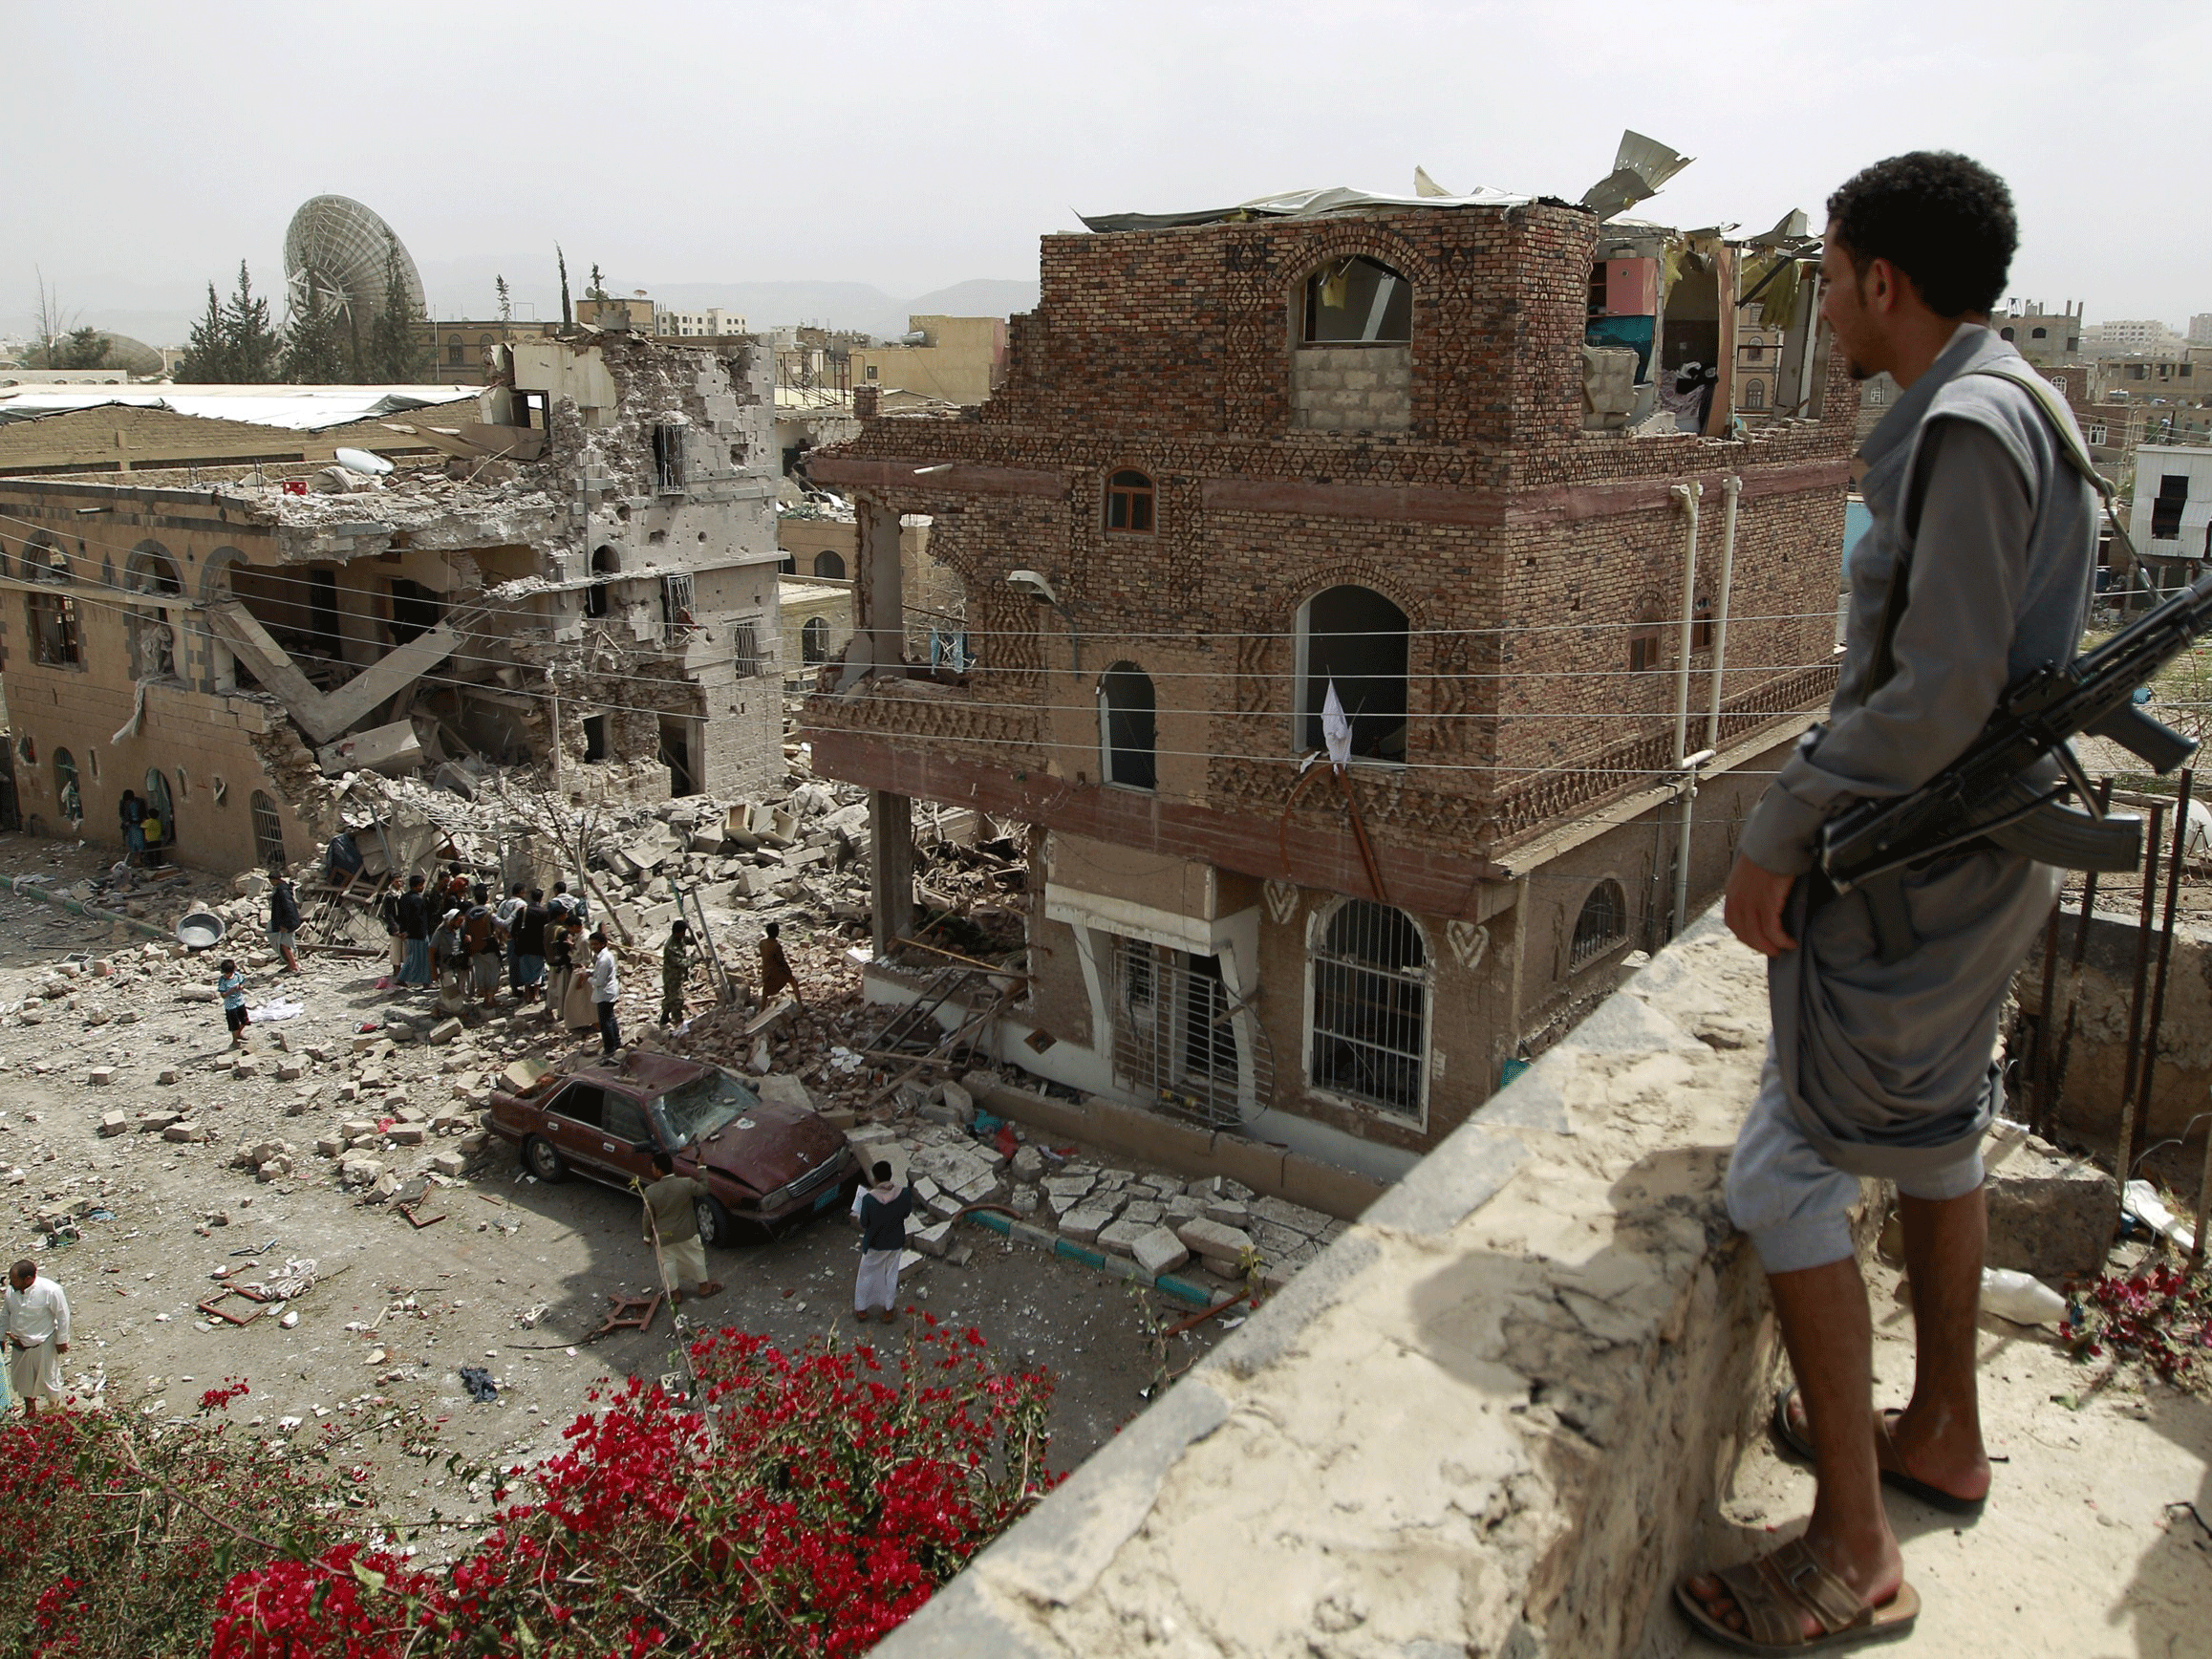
<point>294,408</point>
<point>1299,204</point>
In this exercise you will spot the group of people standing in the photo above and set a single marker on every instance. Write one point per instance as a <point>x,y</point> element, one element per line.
<point>451,937</point>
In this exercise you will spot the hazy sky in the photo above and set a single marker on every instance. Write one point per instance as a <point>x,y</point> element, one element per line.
<point>915,145</point>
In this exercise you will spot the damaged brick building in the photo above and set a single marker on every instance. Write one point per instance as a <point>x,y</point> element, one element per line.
<point>1450,458</point>
<point>577,575</point>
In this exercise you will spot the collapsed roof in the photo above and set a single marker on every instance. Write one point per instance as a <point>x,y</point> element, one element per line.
<point>294,408</point>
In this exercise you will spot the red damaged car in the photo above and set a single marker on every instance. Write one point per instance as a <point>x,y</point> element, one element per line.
<point>767,1167</point>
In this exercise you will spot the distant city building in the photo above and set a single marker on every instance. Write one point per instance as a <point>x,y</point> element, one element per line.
<point>712,323</point>
<point>2200,329</point>
<point>1759,347</point>
<point>2129,334</point>
<point>2043,335</point>
<point>957,359</point>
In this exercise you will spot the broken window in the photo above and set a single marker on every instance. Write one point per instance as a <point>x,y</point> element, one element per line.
<point>1355,639</point>
<point>414,610</point>
<point>813,642</point>
<point>2166,510</point>
<point>65,788</point>
<point>1370,1008</point>
<point>1357,300</point>
<point>1128,502</point>
<point>676,604</point>
<point>745,649</point>
<point>604,564</point>
<point>1602,923</point>
<point>54,640</point>
<point>1125,709</point>
<point>594,738</point>
<point>268,831</point>
<point>667,457</point>
<point>830,565</point>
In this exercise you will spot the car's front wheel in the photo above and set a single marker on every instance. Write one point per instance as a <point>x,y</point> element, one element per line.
<point>543,1160</point>
<point>715,1226</point>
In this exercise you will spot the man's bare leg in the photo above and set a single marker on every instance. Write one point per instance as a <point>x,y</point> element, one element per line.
<point>1937,1437</point>
<point>1829,1335</point>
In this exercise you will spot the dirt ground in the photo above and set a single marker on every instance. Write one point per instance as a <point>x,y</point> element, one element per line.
<point>398,1311</point>
<point>2096,1543</point>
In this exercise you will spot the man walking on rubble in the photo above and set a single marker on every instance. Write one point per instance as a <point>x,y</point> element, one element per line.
<point>413,913</point>
<point>882,1210</point>
<point>775,969</point>
<point>675,967</point>
<point>34,1326</point>
<point>1976,570</point>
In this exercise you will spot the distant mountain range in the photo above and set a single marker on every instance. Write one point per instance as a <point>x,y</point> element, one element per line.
<point>162,314</point>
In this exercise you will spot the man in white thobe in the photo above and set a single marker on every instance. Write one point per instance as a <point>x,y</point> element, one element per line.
<point>35,1326</point>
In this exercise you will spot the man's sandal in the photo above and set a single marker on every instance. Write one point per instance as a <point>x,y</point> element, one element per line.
<point>1775,1592</point>
<point>1951,1503</point>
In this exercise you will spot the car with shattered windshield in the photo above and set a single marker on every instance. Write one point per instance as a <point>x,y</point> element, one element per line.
<point>767,1167</point>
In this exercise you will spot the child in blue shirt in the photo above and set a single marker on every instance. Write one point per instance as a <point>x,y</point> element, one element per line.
<point>230,984</point>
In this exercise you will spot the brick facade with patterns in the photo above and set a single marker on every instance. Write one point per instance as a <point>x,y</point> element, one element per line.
<point>1524,553</point>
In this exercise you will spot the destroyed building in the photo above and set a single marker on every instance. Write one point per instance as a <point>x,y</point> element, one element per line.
<point>1470,467</point>
<point>575,574</point>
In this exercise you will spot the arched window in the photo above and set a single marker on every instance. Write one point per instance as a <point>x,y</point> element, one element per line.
<point>1602,924</point>
<point>2039,333</point>
<point>65,790</point>
<point>1755,395</point>
<point>604,564</point>
<point>153,635</point>
<point>1754,352</point>
<point>1357,300</point>
<point>267,831</point>
<point>813,641</point>
<point>830,565</point>
<point>1354,638</point>
<point>1125,709</point>
<point>1370,1008</point>
<point>1128,502</point>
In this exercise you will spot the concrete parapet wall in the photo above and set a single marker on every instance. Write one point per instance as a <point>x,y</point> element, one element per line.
<point>1488,1420</point>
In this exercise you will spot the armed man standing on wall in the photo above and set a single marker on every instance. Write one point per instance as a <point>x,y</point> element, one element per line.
<point>1976,570</point>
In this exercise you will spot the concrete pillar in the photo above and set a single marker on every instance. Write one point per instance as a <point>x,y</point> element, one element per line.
<point>891,844</point>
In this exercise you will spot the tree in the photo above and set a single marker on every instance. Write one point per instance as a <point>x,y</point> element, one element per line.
<point>567,318</point>
<point>206,359</point>
<point>85,347</point>
<point>50,323</point>
<point>251,342</point>
<point>506,304</point>
<point>313,354</point>
<point>598,288</point>
<point>395,353</point>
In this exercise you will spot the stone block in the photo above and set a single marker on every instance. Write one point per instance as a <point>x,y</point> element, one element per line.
<point>1229,1213</point>
<point>291,1071</point>
<point>1158,1251</point>
<point>449,1163</point>
<point>166,1075</point>
<point>1085,1223</point>
<point>932,1241</point>
<point>1028,1166</point>
<point>1213,1242</point>
<point>405,1134</point>
<point>330,1146</point>
<point>782,1089</point>
<point>2050,1215</point>
<point>113,1123</point>
<point>1121,1236</point>
<point>100,1076</point>
<point>446,1031</point>
<point>182,1130</point>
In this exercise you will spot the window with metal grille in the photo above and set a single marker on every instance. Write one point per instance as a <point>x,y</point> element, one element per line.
<point>676,605</point>
<point>1370,1008</point>
<point>1130,500</point>
<point>667,457</point>
<point>268,831</point>
<point>1176,1031</point>
<point>744,650</point>
<point>1602,924</point>
<point>830,565</point>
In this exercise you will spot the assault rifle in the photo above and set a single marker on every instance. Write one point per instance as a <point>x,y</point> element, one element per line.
<point>1984,795</point>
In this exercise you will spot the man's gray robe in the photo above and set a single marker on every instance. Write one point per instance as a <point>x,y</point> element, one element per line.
<point>1890,1067</point>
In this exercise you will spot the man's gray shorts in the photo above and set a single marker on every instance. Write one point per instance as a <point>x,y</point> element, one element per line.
<point>1795,1203</point>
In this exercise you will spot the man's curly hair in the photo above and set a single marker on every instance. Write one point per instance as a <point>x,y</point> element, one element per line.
<point>1943,220</point>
